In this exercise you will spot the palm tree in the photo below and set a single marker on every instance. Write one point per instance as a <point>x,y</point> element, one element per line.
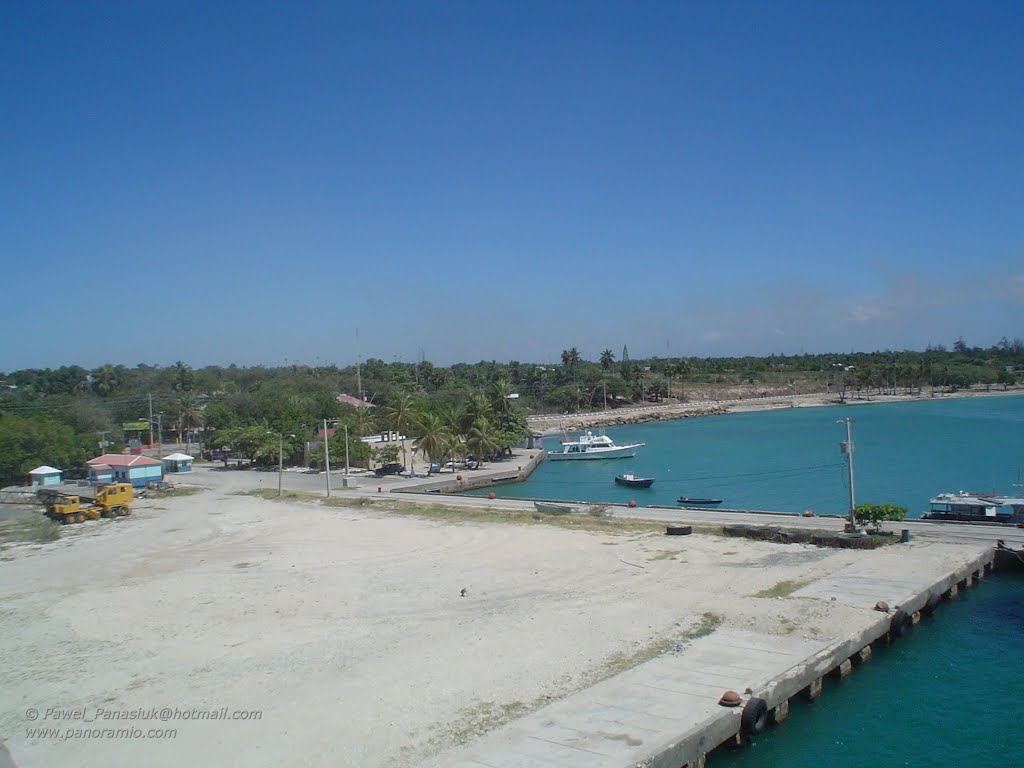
<point>453,448</point>
<point>570,358</point>
<point>671,370</point>
<point>607,360</point>
<point>477,407</point>
<point>682,370</point>
<point>500,404</point>
<point>481,439</point>
<point>433,439</point>
<point>105,380</point>
<point>399,413</point>
<point>190,416</point>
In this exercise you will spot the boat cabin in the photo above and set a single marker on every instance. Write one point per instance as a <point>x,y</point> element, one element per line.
<point>972,507</point>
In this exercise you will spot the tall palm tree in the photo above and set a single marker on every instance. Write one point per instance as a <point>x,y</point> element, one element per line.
<point>190,416</point>
<point>481,439</point>
<point>607,360</point>
<point>454,448</point>
<point>477,407</point>
<point>400,413</point>
<point>571,358</point>
<point>500,404</point>
<point>682,370</point>
<point>433,436</point>
<point>671,370</point>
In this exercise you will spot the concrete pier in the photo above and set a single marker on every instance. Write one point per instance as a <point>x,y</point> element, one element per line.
<point>665,713</point>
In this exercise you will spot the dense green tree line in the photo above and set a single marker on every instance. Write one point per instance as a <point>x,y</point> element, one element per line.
<point>464,409</point>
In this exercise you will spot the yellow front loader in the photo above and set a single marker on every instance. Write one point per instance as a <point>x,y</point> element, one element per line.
<point>111,501</point>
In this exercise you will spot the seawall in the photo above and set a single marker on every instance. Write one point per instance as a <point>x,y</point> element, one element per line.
<point>666,713</point>
<point>521,467</point>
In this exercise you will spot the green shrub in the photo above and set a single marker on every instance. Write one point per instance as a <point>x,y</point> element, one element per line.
<point>876,514</point>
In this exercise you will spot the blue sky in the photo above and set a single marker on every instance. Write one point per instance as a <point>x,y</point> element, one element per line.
<point>251,182</point>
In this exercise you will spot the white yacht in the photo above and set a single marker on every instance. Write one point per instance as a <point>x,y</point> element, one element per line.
<point>591,446</point>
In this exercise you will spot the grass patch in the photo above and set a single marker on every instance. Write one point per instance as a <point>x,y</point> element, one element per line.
<point>484,717</point>
<point>488,715</point>
<point>708,623</point>
<point>184,490</point>
<point>358,502</point>
<point>270,494</point>
<point>665,554</point>
<point>673,643</point>
<point>579,522</point>
<point>31,529</point>
<point>782,589</point>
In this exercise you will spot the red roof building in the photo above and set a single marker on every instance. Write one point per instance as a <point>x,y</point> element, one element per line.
<point>119,468</point>
<point>121,460</point>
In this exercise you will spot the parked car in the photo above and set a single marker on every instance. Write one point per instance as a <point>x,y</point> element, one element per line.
<point>389,469</point>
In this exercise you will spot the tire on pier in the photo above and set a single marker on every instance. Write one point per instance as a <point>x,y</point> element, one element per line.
<point>754,718</point>
<point>899,623</point>
<point>934,600</point>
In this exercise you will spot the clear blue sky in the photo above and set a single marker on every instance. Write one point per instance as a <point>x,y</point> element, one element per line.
<point>250,182</point>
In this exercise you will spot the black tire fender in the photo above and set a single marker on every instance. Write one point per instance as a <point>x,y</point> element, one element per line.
<point>934,600</point>
<point>899,623</point>
<point>755,717</point>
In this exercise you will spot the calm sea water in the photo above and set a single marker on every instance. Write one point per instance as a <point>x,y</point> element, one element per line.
<point>789,460</point>
<point>951,692</point>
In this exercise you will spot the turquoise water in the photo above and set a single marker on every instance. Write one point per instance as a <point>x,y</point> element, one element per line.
<point>789,460</point>
<point>949,693</point>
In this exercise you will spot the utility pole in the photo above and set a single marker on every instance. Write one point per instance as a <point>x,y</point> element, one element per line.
<point>847,448</point>
<point>327,460</point>
<point>346,449</point>
<point>359,364</point>
<point>605,385</point>
<point>103,439</point>
<point>159,434</point>
<point>280,462</point>
<point>150,419</point>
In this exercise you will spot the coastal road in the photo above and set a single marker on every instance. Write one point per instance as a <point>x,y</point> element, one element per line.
<point>964,533</point>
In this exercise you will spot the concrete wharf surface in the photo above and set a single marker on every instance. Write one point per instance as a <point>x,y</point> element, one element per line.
<point>665,713</point>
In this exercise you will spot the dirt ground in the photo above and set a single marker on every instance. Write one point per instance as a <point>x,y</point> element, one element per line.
<point>346,627</point>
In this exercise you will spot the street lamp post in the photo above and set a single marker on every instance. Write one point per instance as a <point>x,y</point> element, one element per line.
<point>847,448</point>
<point>280,458</point>
<point>327,452</point>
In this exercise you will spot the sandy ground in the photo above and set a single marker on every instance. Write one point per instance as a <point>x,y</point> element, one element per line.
<point>346,629</point>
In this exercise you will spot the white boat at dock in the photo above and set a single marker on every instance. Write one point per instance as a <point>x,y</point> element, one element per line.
<point>591,446</point>
<point>977,508</point>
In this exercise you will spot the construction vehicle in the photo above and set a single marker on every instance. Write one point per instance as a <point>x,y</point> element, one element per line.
<point>110,501</point>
